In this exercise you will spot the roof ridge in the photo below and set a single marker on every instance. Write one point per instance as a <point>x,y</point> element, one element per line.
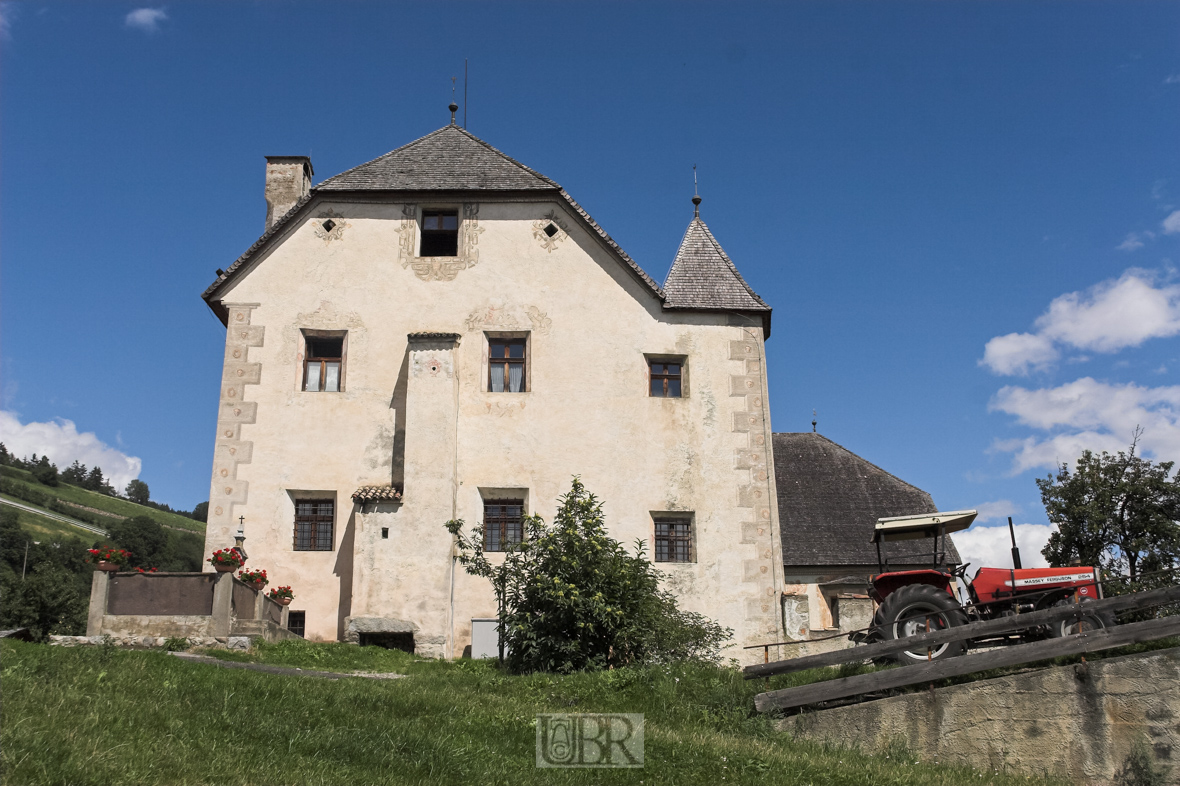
<point>852,453</point>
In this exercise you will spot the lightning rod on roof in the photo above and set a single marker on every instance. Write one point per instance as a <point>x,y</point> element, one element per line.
<point>696,197</point>
<point>465,92</point>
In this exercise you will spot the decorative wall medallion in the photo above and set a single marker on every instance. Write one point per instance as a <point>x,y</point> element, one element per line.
<point>495,316</point>
<point>439,268</point>
<point>549,231</point>
<point>329,225</point>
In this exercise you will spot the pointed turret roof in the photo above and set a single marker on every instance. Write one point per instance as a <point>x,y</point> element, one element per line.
<point>449,159</point>
<point>704,277</point>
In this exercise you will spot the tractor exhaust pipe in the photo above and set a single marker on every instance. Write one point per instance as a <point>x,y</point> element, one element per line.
<point>1015,549</point>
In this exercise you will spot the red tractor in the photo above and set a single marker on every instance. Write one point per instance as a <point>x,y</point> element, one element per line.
<point>917,601</point>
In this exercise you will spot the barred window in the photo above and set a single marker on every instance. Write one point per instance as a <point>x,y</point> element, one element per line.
<point>503,522</point>
<point>674,540</point>
<point>297,622</point>
<point>313,524</point>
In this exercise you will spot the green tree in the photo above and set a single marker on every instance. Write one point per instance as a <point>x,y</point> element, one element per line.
<point>1118,512</point>
<point>75,474</point>
<point>137,491</point>
<point>47,601</point>
<point>571,598</point>
<point>200,511</point>
<point>45,473</point>
<point>12,539</point>
<point>144,538</point>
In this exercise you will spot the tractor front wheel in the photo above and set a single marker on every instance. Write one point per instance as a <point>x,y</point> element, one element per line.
<point>919,608</point>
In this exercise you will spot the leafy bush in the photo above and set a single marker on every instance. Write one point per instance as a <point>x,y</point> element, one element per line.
<point>572,599</point>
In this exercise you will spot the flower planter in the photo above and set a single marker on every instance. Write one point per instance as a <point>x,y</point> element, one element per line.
<point>258,585</point>
<point>226,568</point>
<point>109,567</point>
<point>282,601</point>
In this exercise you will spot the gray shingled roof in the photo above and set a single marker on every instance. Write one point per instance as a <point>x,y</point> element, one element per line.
<point>829,498</point>
<point>449,159</point>
<point>703,277</point>
<point>453,160</point>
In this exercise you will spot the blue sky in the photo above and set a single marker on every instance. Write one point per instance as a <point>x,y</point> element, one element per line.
<point>964,214</point>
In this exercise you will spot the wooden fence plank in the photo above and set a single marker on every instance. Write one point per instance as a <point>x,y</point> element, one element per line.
<point>1076,644</point>
<point>995,627</point>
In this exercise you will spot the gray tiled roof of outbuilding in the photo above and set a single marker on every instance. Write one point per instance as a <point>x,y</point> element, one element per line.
<point>704,277</point>
<point>829,499</point>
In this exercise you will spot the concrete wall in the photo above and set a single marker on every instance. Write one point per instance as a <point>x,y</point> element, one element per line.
<point>1079,721</point>
<point>423,416</point>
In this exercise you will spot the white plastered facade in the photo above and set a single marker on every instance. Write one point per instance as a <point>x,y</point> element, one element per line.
<point>417,414</point>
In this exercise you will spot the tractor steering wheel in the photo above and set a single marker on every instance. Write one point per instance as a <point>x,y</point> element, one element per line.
<point>960,571</point>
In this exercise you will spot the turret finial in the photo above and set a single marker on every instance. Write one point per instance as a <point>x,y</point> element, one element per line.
<point>814,421</point>
<point>696,197</point>
<point>453,106</point>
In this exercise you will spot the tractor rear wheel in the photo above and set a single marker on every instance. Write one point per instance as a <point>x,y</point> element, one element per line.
<point>918,608</point>
<point>1095,620</point>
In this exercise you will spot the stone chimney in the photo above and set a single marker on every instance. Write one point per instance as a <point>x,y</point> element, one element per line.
<point>288,179</point>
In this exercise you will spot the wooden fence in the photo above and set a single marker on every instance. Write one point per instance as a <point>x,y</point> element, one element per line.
<point>1076,644</point>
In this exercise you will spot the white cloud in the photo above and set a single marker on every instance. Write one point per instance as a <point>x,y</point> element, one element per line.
<point>1110,316</point>
<point>1018,353</point>
<point>146,19</point>
<point>1171,224</point>
<point>7,15</point>
<point>1130,243</point>
<point>991,547</point>
<point>1172,79</point>
<point>61,442</point>
<point>996,511</point>
<point>1134,241</point>
<point>1088,415</point>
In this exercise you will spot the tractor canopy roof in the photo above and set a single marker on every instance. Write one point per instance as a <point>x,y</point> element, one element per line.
<point>927,525</point>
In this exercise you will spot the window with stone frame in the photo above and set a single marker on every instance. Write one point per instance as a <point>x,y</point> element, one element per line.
<point>507,358</point>
<point>674,539</point>
<point>440,233</point>
<point>314,524</point>
<point>323,361</point>
<point>503,522</point>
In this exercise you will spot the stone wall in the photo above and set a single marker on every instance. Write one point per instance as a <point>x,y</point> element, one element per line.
<point>1080,722</point>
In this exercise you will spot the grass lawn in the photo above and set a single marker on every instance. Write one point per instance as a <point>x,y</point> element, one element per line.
<point>47,530</point>
<point>107,716</point>
<point>92,499</point>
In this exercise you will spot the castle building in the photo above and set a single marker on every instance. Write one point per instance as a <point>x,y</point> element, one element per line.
<point>443,333</point>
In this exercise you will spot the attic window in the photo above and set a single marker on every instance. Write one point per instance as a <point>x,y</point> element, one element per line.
<point>328,225</point>
<point>440,233</point>
<point>551,230</point>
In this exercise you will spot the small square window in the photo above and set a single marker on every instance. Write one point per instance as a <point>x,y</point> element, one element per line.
<point>297,622</point>
<point>314,520</point>
<point>666,378</point>
<point>674,539</point>
<point>550,230</point>
<point>506,365</point>
<point>329,225</point>
<point>323,363</point>
<point>503,523</point>
<point>440,233</point>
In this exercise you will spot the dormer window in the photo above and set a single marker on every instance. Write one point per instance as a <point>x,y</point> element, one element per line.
<point>440,233</point>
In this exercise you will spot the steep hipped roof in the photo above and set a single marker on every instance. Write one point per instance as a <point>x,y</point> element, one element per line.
<point>703,277</point>
<point>829,498</point>
<point>449,159</point>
